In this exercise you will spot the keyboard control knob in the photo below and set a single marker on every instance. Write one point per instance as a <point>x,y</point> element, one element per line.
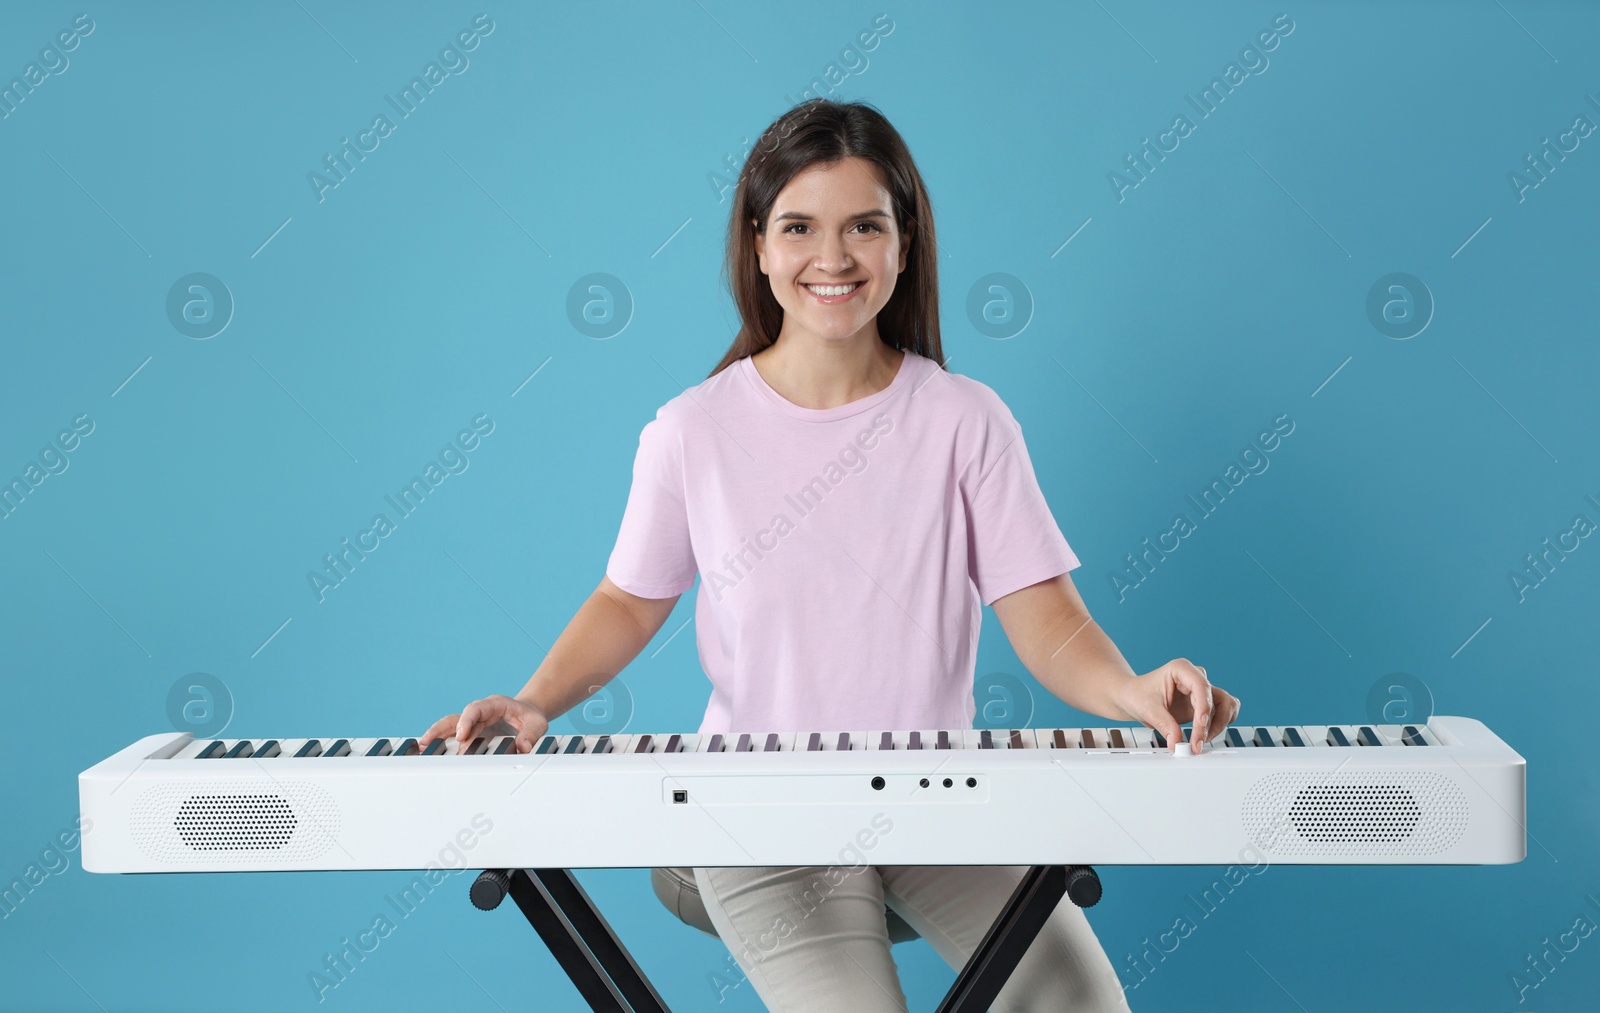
<point>1182,749</point>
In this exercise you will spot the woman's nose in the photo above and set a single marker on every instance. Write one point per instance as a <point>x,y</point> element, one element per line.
<point>832,260</point>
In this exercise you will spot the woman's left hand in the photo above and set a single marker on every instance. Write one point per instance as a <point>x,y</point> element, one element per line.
<point>1176,693</point>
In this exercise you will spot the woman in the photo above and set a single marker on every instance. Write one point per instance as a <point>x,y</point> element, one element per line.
<point>849,506</point>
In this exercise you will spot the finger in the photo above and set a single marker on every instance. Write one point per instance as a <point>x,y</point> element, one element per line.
<point>472,716</point>
<point>526,733</point>
<point>1171,730</point>
<point>1148,705</point>
<point>1226,707</point>
<point>1221,712</point>
<point>1166,725</point>
<point>438,728</point>
<point>1198,690</point>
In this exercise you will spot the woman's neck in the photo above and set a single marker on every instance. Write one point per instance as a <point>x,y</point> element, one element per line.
<point>823,378</point>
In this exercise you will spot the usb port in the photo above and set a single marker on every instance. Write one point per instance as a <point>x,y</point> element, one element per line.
<point>679,796</point>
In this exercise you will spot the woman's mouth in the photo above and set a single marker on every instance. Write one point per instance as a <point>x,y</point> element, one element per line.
<point>828,295</point>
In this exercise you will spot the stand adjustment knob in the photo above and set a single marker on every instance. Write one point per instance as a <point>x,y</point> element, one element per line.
<point>1083,886</point>
<point>490,888</point>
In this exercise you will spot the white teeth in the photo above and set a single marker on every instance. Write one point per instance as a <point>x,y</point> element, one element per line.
<point>829,290</point>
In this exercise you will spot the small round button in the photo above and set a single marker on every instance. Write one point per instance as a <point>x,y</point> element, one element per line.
<point>1182,749</point>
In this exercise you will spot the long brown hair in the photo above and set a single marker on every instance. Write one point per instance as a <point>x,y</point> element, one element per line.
<point>821,130</point>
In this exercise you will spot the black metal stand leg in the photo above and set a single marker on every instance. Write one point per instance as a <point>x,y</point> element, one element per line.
<point>577,934</point>
<point>1013,931</point>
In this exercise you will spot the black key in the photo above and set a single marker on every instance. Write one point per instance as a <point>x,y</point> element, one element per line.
<point>1161,740</point>
<point>943,742</point>
<point>508,743</point>
<point>575,746</point>
<point>340,748</point>
<point>268,749</point>
<point>916,741</point>
<point>985,740</point>
<point>814,743</point>
<point>240,750</point>
<point>1016,739</point>
<point>716,744</point>
<point>1413,736</point>
<point>1336,737</point>
<point>211,752</point>
<point>643,745</point>
<point>602,744</point>
<point>1291,737</point>
<point>1116,739</point>
<point>1060,739</point>
<point>887,742</point>
<point>434,748</point>
<point>380,748</point>
<point>772,743</point>
<point>312,747</point>
<point>1086,739</point>
<point>408,748</point>
<point>744,743</point>
<point>548,745</point>
<point>1368,737</point>
<point>674,744</point>
<point>479,745</point>
<point>844,742</point>
<point>1264,738</point>
<point>1234,738</point>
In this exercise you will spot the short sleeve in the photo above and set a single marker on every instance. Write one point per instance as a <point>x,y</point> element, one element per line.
<point>1013,540</point>
<point>653,557</point>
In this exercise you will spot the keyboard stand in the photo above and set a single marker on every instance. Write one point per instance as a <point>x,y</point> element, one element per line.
<point>1013,931</point>
<point>582,942</point>
<point>577,934</point>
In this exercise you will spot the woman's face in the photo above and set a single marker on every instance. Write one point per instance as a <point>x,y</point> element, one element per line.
<point>832,225</point>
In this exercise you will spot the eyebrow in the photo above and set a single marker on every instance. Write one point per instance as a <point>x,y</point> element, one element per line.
<point>802,216</point>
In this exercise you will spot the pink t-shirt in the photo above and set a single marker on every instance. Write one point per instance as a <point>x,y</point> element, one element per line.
<point>842,552</point>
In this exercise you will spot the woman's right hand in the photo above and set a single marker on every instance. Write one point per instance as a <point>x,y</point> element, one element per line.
<point>493,715</point>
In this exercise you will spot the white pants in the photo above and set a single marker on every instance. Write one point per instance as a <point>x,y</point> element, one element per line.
<point>813,938</point>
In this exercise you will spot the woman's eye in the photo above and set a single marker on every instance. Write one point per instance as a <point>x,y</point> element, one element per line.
<point>802,225</point>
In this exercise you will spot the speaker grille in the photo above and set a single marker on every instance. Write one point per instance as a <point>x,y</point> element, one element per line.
<point>235,822</point>
<point>199,821</point>
<point>1356,813</point>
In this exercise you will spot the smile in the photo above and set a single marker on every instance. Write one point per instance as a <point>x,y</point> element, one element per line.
<point>830,294</point>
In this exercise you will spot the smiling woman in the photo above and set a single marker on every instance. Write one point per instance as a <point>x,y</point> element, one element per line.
<point>868,616</point>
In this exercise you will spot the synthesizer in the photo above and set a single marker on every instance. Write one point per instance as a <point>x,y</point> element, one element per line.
<point>1446,792</point>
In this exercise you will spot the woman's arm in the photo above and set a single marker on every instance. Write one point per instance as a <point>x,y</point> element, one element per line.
<point>1066,650</point>
<point>608,631</point>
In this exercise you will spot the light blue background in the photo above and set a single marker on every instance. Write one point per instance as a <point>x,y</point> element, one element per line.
<point>1223,292</point>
